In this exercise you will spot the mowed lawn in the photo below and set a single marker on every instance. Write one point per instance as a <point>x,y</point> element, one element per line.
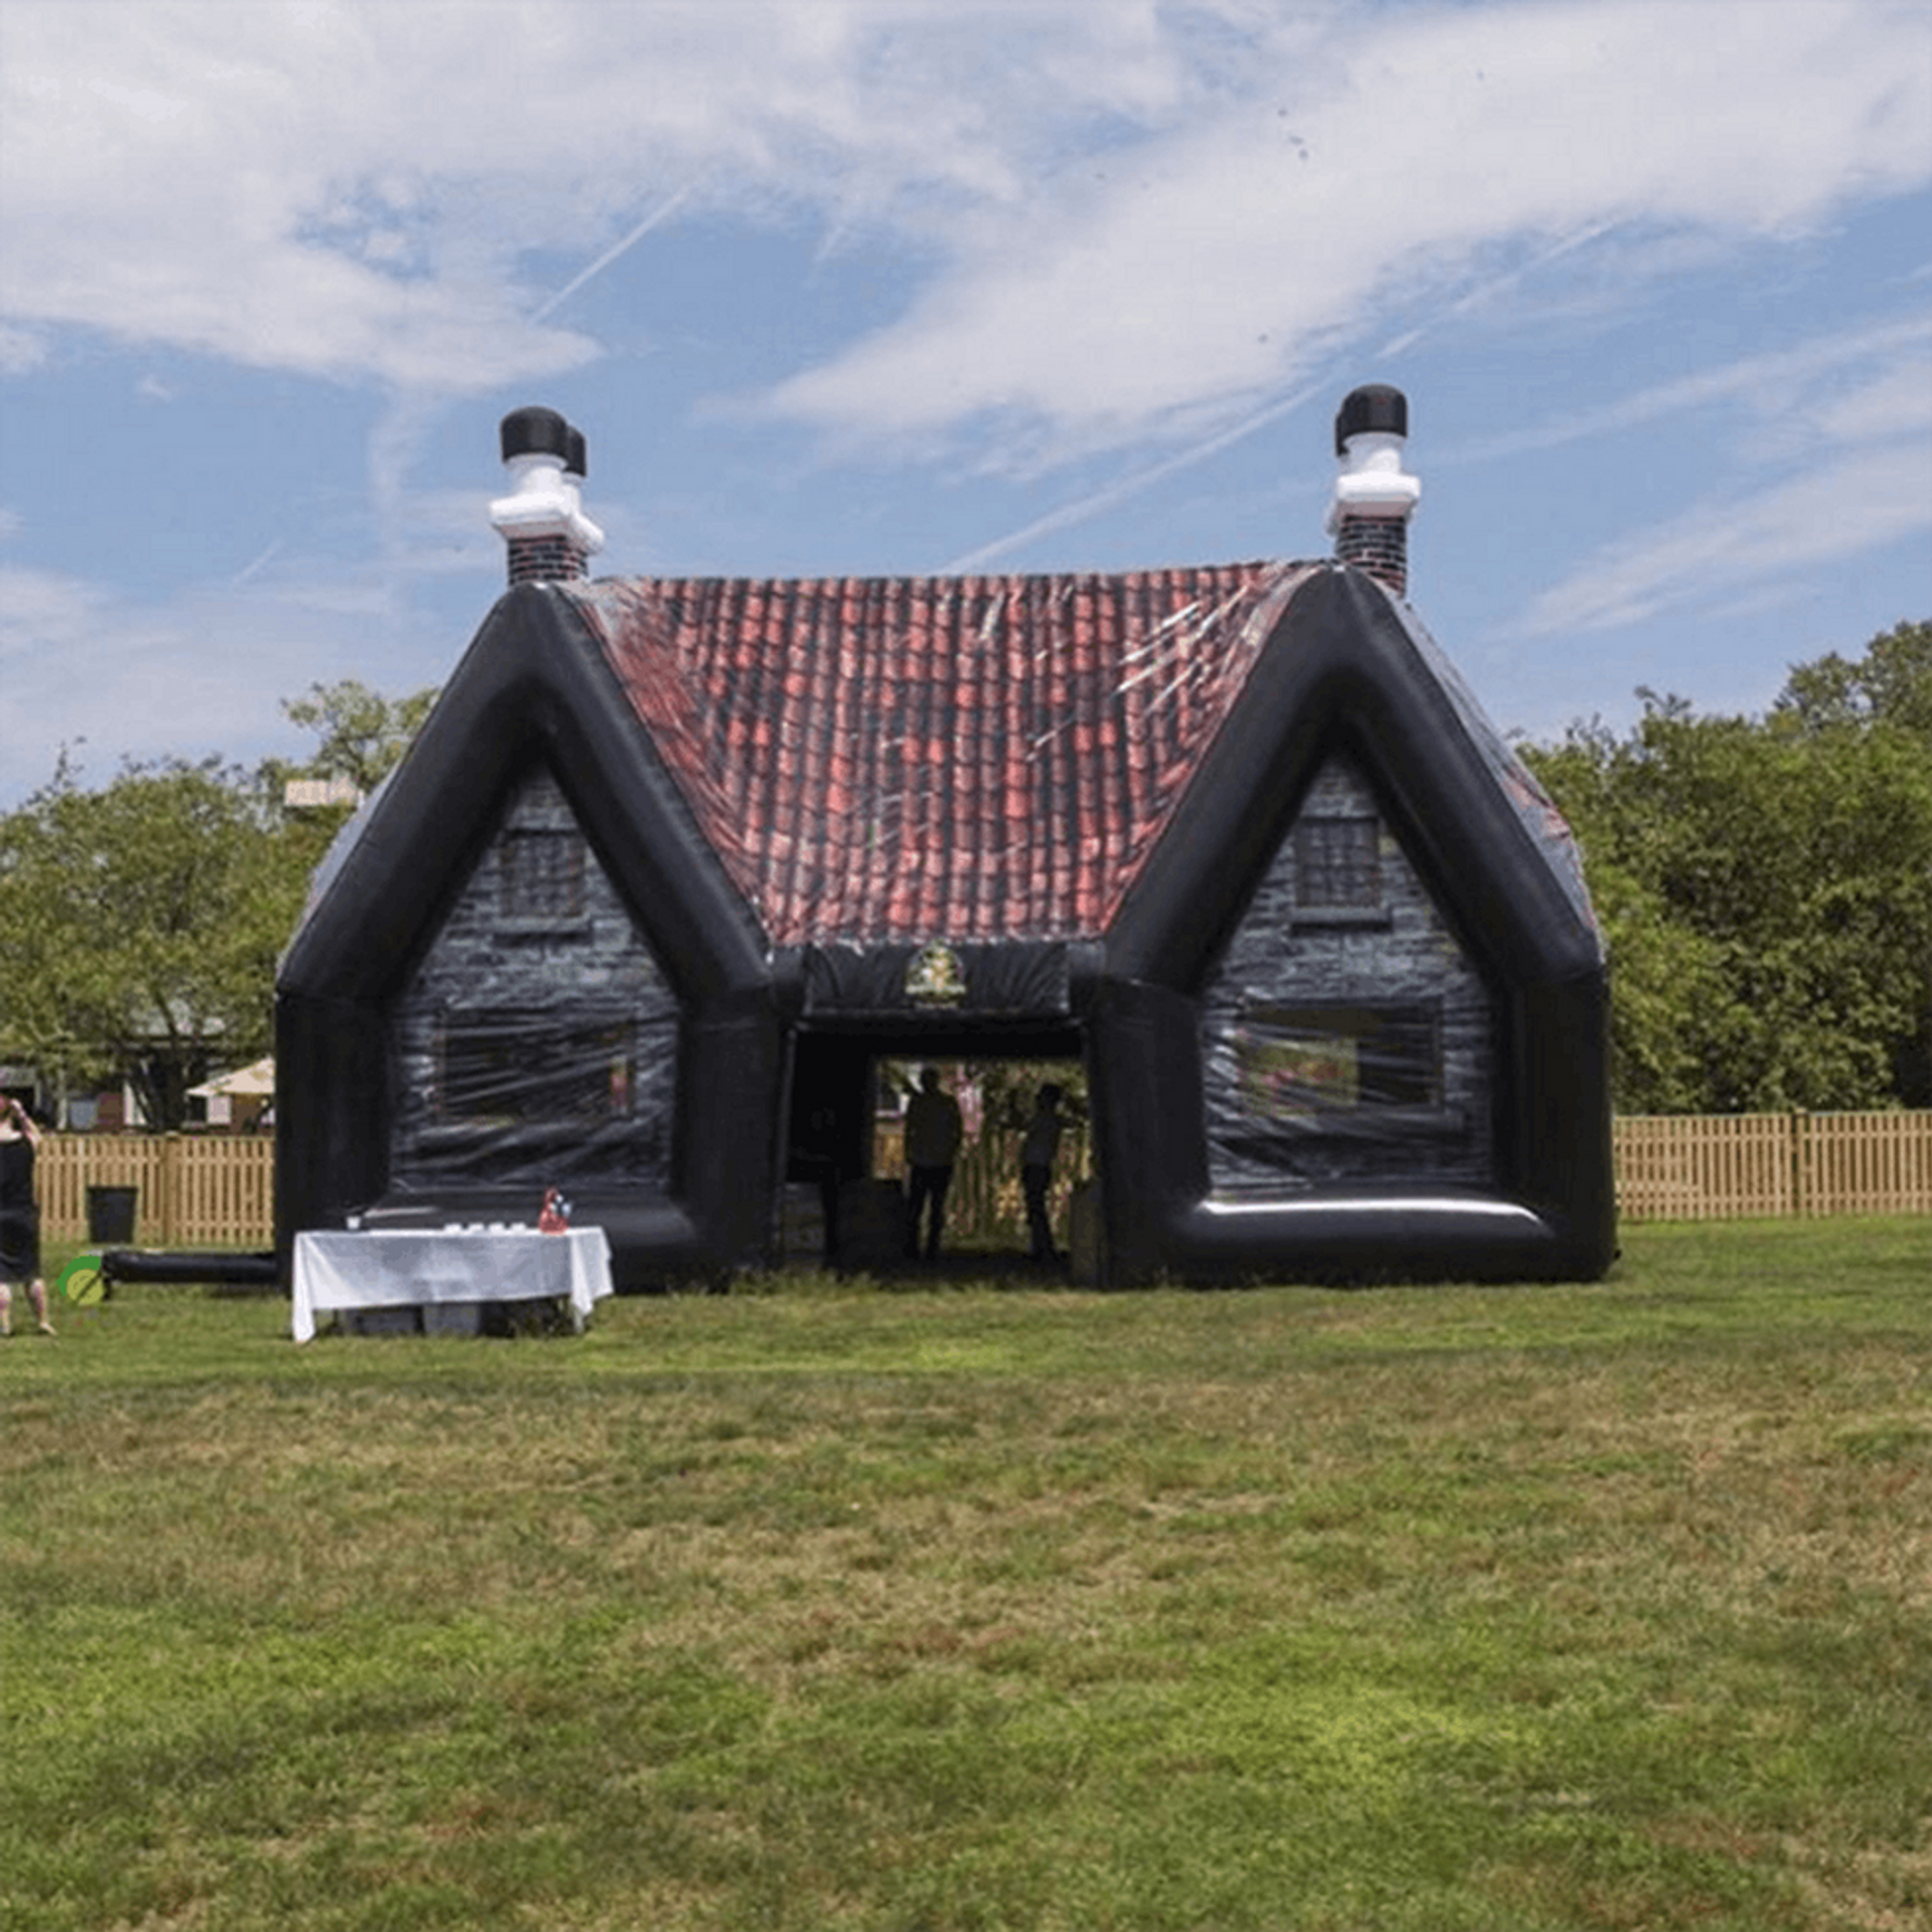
<point>916,1611</point>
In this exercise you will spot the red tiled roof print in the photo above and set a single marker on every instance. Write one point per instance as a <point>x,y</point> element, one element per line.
<point>964,758</point>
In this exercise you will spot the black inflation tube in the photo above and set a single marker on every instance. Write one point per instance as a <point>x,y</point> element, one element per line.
<point>237,1268</point>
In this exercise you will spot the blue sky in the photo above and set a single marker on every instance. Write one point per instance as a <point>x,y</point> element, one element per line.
<point>881,286</point>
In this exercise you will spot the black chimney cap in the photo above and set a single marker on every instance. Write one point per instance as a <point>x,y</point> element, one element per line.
<point>577,463</point>
<point>1375,406</point>
<point>535,432</point>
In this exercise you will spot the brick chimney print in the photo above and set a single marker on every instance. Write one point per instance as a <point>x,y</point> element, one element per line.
<point>1374,497</point>
<point>542,519</point>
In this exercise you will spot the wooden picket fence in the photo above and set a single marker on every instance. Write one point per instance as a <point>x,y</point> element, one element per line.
<point>217,1190</point>
<point>191,1190</point>
<point>1727,1167</point>
<point>1703,1167</point>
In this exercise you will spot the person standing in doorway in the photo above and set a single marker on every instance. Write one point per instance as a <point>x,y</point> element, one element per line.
<point>19,1217</point>
<point>1038,1153</point>
<point>933,1131</point>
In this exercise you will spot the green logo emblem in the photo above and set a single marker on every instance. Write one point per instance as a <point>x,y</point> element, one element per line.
<point>935,977</point>
<point>81,1280</point>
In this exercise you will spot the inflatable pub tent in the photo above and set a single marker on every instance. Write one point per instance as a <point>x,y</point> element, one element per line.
<point>673,863</point>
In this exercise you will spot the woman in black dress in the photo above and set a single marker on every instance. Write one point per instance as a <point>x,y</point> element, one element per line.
<point>19,1216</point>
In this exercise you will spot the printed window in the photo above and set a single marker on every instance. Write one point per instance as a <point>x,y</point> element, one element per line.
<point>1307,1063</point>
<point>1338,863</point>
<point>505,1067</point>
<point>540,875</point>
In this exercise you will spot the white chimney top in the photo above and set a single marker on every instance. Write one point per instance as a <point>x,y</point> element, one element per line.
<point>542,519</point>
<point>1373,497</point>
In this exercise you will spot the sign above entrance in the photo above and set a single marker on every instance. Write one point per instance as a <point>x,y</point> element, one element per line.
<point>935,977</point>
<point>939,981</point>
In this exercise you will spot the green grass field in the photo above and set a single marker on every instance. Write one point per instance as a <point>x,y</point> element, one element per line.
<point>1412,1609</point>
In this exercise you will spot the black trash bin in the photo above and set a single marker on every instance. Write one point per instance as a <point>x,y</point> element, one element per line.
<point>110,1214</point>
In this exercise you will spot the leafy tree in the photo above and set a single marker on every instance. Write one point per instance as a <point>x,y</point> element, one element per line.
<point>1890,685</point>
<point>363,732</point>
<point>1766,888</point>
<point>1883,699</point>
<point>140,923</point>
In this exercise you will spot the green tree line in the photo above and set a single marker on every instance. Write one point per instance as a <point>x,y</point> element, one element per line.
<point>1763,885</point>
<point>140,920</point>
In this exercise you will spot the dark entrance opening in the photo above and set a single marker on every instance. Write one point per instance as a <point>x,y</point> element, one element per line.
<point>843,1198</point>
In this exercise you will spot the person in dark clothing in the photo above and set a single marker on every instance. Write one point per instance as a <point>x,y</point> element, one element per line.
<point>19,1217</point>
<point>933,1131</point>
<point>814,1158</point>
<point>1038,1153</point>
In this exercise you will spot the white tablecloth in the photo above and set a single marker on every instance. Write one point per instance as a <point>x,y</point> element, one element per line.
<point>412,1267</point>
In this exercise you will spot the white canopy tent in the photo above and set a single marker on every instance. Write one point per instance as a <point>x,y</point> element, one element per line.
<point>254,1083</point>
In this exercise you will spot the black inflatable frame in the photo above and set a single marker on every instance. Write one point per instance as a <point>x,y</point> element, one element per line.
<point>1339,670</point>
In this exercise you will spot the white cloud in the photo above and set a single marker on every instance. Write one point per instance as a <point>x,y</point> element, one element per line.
<point>1138,216</point>
<point>57,664</point>
<point>1827,451</point>
<point>1417,153</point>
<point>1895,402</point>
<point>1857,504</point>
<point>80,663</point>
<point>352,190</point>
<point>1789,389</point>
<point>20,349</point>
<point>44,612</point>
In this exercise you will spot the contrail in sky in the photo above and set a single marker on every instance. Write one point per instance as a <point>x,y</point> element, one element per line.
<point>657,216</point>
<point>249,572</point>
<point>1130,485</point>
